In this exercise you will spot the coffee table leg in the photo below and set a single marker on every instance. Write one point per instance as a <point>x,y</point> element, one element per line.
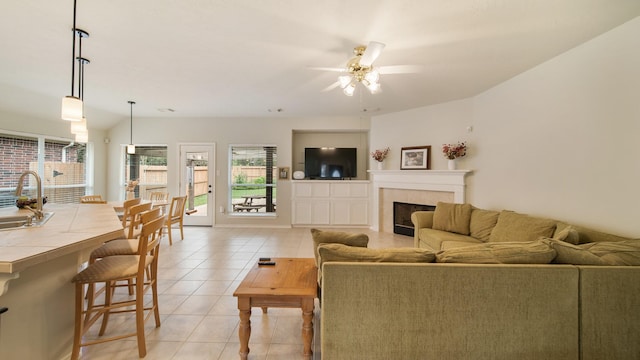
<point>307,326</point>
<point>244,329</point>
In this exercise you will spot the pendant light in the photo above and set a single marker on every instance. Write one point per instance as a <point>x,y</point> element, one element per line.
<point>79,128</point>
<point>131,149</point>
<point>72,104</point>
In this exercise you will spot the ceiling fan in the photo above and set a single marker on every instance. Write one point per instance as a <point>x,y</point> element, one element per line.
<point>360,69</point>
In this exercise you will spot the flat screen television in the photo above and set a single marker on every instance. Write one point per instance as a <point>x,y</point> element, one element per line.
<point>330,163</point>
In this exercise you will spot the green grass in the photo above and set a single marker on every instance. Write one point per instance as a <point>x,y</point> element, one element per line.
<point>200,200</point>
<point>235,194</point>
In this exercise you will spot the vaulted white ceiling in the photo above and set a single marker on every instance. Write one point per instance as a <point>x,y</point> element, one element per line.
<point>249,58</point>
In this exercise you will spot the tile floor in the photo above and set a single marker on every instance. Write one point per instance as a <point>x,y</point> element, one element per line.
<point>198,311</point>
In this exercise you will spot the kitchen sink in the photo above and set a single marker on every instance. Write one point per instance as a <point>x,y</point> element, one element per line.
<point>15,222</point>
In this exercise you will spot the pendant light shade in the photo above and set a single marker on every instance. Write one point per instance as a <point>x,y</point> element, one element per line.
<point>131,149</point>
<point>71,108</point>
<point>82,137</point>
<point>79,126</point>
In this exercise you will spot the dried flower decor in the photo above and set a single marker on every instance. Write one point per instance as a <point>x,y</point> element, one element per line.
<point>131,184</point>
<point>380,155</point>
<point>454,151</point>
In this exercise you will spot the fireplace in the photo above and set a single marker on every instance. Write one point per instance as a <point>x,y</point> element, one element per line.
<point>415,186</point>
<point>402,216</point>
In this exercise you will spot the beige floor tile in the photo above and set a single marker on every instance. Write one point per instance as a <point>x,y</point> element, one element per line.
<point>215,328</point>
<point>199,315</point>
<point>199,351</point>
<point>197,305</point>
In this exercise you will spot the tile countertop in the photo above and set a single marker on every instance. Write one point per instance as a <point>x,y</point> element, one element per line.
<point>72,228</point>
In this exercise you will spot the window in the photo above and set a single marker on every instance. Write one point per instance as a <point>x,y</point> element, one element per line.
<point>149,166</point>
<point>61,164</point>
<point>252,178</point>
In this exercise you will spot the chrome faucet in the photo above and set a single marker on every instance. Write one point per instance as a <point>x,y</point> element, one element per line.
<point>38,211</point>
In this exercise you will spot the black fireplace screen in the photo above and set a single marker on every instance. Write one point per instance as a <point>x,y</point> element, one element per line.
<point>402,216</point>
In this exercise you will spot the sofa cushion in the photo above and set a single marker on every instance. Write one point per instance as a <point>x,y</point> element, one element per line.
<point>512,226</point>
<point>482,222</point>
<point>452,217</point>
<point>531,252</point>
<point>572,254</point>
<point>433,239</point>
<point>453,244</point>
<point>568,234</point>
<point>339,252</point>
<point>339,237</point>
<point>626,252</point>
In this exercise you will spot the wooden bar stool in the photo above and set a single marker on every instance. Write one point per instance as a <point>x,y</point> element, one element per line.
<point>127,245</point>
<point>176,215</point>
<point>92,199</point>
<point>109,270</point>
<point>126,205</point>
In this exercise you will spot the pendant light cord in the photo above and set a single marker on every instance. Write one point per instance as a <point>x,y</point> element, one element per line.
<point>131,123</point>
<point>73,50</point>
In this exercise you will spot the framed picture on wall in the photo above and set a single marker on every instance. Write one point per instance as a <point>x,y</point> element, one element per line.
<point>283,173</point>
<point>415,158</point>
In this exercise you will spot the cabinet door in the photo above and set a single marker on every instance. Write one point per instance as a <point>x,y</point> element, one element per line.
<point>350,212</point>
<point>311,212</point>
<point>346,189</point>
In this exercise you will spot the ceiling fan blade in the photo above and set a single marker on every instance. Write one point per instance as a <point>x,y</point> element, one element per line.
<point>334,69</point>
<point>374,49</point>
<point>400,69</point>
<point>331,87</point>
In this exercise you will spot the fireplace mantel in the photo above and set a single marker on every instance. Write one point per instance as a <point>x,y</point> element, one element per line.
<point>451,181</point>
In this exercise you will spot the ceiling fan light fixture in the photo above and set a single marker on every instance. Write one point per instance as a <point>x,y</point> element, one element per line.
<point>373,76</point>
<point>350,89</point>
<point>373,87</point>
<point>344,80</point>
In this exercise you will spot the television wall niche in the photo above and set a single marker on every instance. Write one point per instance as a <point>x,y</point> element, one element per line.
<point>358,139</point>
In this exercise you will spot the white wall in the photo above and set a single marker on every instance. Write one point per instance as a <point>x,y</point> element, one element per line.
<point>55,127</point>
<point>223,132</point>
<point>559,140</point>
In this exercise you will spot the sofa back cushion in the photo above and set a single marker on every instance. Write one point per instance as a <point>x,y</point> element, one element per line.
<point>568,234</point>
<point>339,237</point>
<point>482,223</point>
<point>452,217</point>
<point>626,252</point>
<point>512,226</point>
<point>339,252</point>
<point>532,252</point>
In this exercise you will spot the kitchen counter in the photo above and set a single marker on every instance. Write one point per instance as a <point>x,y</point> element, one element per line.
<point>36,267</point>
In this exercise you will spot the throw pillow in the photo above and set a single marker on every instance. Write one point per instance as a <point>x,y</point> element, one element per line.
<point>482,222</point>
<point>572,254</point>
<point>452,217</point>
<point>568,234</point>
<point>532,252</point>
<point>339,252</point>
<point>512,226</point>
<point>328,237</point>
<point>626,252</point>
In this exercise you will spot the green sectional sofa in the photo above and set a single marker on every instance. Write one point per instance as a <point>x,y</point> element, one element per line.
<point>503,308</point>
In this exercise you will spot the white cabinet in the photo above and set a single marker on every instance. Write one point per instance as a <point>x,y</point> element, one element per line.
<point>328,202</point>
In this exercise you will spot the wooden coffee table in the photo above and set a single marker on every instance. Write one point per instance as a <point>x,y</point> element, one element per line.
<point>290,283</point>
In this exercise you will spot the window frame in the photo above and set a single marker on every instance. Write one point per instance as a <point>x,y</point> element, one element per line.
<point>41,140</point>
<point>232,184</point>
